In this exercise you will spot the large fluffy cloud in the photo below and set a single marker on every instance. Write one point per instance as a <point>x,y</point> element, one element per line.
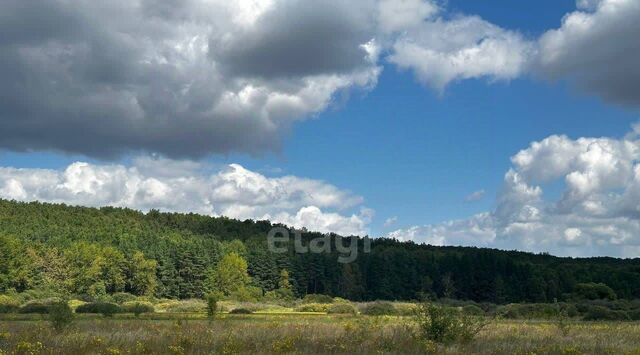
<point>191,78</point>
<point>191,187</point>
<point>183,78</point>
<point>597,214</point>
<point>597,49</point>
<point>196,77</point>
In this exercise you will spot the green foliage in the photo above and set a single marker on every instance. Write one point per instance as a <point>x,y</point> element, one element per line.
<point>230,275</point>
<point>446,325</point>
<point>342,308</point>
<point>473,310</point>
<point>600,313</point>
<point>104,308</point>
<point>8,304</point>
<point>36,307</point>
<point>182,306</point>
<point>316,298</point>
<point>142,279</point>
<point>212,299</point>
<point>594,291</point>
<point>246,294</point>
<point>313,307</point>
<point>528,311</point>
<point>60,315</point>
<point>379,308</point>
<point>137,307</point>
<point>8,308</point>
<point>241,311</point>
<point>123,297</point>
<point>91,254</point>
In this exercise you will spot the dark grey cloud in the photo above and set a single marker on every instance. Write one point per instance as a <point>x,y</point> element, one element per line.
<point>106,78</point>
<point>300,37</point>
<point>597,49</point>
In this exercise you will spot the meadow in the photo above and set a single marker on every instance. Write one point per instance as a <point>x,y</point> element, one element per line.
<point>301,333</point>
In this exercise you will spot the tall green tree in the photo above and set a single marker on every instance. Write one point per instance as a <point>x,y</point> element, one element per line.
<point>228,276</point>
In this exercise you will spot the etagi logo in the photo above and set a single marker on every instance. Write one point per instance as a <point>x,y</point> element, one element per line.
<point>279,239</point>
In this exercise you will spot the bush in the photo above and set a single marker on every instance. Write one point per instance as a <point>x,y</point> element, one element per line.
<point>379,309</point>
<point>246,294</point>
<point>446,325</point>
<point>634,315</point>
<point>529,311</point>
<point>35,307</point>
<point>602,313</point>
<point>8,300</point>
<point>183,306</point>
<point>342,308</point>
<point>60,315</point>
<point>7,308</point>
<point>473,310</point>
<point>241,311</point>
<point>317,298</point>
<point>123,297</point>
<point>212,304</point>
<point>137,308</point>
<point>104,308</point>
<point>593,291</point>
<point>404,309</point>
<point>76,303</point>
<point>313,307</point>
<point>8,304</point>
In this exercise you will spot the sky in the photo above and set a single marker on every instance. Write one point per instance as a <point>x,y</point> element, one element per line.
<point>504,125</point>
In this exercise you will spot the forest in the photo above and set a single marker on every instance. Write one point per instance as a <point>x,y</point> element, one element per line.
<point>60,249</point>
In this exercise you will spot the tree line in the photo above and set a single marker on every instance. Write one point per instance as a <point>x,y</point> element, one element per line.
<point>102,251</point>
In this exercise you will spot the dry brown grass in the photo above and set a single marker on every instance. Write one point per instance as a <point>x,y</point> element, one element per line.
<point>261,334</point>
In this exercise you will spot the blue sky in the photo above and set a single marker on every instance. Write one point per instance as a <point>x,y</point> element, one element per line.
<point>394,140</point>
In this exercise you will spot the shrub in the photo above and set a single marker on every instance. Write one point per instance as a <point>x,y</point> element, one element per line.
<point>404,309</point>
<point>183,306</point>
<point>212,304</point>
<point>379,309</point>
<point>60,315</point>
<point>342,308</point>
<point>75,304</point>
<point>104,308</point>
<point>8,300</point>
<point>246,294</point>
<point>602,313</point>
<point>634,315</point>
<point>313,307</point>
<point>8,304</point>
<point>594,291</point>
<point>123,297</point>
<point>317,298</point>
<point>137,308</point>
<point>473,310</point>
<point>7,308</point>
<point>446,325</point>
<point>529,311</point>
<point>35,307</point>
<point>241,311</point>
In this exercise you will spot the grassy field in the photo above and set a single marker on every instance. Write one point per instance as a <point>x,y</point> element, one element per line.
<point>301,333</point>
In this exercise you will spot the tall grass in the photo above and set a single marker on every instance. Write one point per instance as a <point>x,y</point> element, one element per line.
<point>262,334</point>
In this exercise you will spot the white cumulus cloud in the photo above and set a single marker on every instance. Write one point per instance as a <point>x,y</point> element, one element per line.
<point>598,212</point>
<point>183,186</point>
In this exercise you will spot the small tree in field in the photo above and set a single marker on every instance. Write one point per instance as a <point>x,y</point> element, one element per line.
<point>446,325</point>
<point>60,315</point>
<point>212,304</point>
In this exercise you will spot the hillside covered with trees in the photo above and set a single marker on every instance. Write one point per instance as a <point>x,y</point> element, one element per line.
<point>89,251</point>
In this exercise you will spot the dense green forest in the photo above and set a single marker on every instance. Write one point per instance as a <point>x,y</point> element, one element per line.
<point>89,251</point>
